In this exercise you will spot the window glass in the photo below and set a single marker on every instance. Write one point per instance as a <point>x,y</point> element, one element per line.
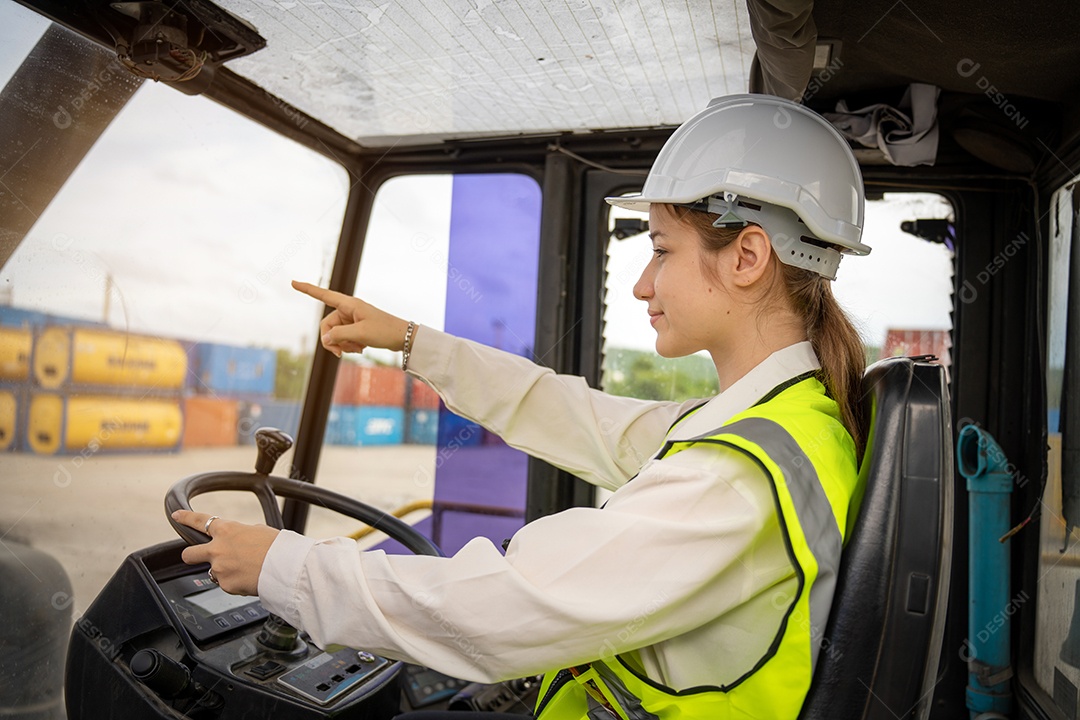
<point>878,290</point>
<point>438,251</point>
<point>631,366</point>
<point>147,320</point>
<point>1057,622</point>
<point>875,291</point>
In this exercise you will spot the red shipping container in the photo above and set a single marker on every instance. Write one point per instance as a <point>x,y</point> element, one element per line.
<point>900,342</point>
<point>210,422</point>
<point>364,385</point>
<point>423,397</point>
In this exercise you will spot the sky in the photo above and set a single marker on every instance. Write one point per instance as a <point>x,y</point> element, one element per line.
<point>197,218</point>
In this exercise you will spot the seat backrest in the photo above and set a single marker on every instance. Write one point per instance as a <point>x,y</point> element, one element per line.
<point>880,650</point>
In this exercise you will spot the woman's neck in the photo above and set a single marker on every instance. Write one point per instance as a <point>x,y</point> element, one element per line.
<point>751,349</point>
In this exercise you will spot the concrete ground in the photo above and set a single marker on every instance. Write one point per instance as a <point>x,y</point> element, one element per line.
<point>91,512</point>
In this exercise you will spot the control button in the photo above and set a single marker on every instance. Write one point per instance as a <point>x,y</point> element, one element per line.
<point>322,687</point>
<point>267,669</point>
<point>238,618</point>
<point>252,612</point>
<point>222,622</point>
<point>365,657</point>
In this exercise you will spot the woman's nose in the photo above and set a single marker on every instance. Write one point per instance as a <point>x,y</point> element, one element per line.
<point>643,288</point>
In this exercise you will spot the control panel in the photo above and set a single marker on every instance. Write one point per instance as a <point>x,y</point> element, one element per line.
<point>330,675</point>
<point>424,686</point>
<point>206,610</point>
<point>239,636</point>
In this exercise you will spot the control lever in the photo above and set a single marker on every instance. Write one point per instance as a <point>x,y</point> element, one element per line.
<point>171,680</point>
<point>272,444</point>
<point>160,673</point>
<point>276,635</point>
<point>281,638</point>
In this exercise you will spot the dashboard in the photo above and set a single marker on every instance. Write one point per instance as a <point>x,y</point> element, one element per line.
<point>162,639</point>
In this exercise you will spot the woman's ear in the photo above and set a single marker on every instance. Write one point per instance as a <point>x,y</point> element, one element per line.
<point>753,255</point>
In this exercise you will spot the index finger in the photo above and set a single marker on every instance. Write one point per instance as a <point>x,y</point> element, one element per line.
<point>194,520</point>
<point>329,297</point>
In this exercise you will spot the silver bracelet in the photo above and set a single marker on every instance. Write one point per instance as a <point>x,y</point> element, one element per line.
<point>409,331</point>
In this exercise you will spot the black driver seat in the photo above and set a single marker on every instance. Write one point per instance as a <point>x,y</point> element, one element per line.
<point>879,655</point>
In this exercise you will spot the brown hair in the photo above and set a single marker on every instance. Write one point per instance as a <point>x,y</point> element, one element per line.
<point>834,338</point>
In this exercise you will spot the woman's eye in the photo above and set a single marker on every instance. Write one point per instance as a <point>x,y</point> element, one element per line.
<point>659,252</point>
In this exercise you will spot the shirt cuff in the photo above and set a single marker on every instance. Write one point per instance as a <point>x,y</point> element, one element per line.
<point>281,572</point>
<point>429,355</point>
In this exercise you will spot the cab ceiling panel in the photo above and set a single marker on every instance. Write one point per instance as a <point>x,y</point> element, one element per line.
<point>420,70</point>
<point>1024,50</point>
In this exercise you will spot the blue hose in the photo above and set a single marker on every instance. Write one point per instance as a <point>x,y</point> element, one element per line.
<point>987,649</point>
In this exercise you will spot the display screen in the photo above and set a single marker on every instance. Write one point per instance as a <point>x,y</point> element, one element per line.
<point>216,601</point>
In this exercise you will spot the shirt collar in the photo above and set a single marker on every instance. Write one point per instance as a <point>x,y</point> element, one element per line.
<point>784,364</point>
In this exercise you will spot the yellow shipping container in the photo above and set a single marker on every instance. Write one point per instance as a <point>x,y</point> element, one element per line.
<point>82,356</point>
<point>73,424</point>
<point>9,418</point>
<point>15,353</point>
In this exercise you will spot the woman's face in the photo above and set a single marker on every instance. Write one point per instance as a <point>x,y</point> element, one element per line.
<point>686,303</point>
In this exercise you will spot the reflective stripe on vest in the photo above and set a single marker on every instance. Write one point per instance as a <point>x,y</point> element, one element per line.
<point>819,524</point>
<point>793,437</point>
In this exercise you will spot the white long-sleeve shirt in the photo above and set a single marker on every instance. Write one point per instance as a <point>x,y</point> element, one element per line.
<point>684,571</point>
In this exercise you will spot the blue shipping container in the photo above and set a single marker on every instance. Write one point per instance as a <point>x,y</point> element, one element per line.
<point>359,425</point>
<point>341,426</point>
<point>423,427</point>
<point>231,371</point>
<point>18,317</point>
<point>23,318</point>
<point>281,414</point>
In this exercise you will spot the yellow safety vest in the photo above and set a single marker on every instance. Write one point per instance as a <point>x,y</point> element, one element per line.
<point>795,435</point>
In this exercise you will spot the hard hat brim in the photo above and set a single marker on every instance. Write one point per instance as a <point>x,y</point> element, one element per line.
<point>841,236</point>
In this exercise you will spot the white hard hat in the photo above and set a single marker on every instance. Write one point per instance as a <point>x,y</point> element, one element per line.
<point>761,159</point>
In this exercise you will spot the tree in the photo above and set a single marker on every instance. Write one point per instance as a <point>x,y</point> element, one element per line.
<point>646,375</point>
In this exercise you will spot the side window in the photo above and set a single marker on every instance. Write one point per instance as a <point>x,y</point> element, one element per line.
<point>1057,635</point>
<point>147,323</point>
<point>439,251</point>
<point>631,366</point>
<point>874,290</point>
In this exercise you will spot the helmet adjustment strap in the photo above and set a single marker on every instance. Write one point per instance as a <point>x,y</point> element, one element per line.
<point>786,231</point>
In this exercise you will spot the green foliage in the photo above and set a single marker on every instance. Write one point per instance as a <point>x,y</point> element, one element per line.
<point>646,375</point>
<point>292,372</point>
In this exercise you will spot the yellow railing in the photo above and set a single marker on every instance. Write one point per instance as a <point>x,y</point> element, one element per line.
<point>399,513</point>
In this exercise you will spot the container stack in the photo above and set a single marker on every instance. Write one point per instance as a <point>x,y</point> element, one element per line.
<point>16,345</point>
<point>93,389</point>
<point>422,427</point>
<point>230,395</point>
<point>368,406</point>
<point>73,387</point>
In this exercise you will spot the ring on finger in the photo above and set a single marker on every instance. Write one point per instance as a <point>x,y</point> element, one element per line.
<point>213,579</point>
<point>206,528</point>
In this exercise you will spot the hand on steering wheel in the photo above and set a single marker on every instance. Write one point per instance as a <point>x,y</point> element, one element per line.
<point>235,550</point>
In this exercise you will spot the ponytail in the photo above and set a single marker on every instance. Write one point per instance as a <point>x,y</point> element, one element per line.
<point>836,343</point>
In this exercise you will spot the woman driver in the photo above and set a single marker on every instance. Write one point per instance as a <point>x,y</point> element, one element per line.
<point>702,588</point>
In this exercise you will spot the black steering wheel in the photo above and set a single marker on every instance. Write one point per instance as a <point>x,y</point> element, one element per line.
<point>272,443</point>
